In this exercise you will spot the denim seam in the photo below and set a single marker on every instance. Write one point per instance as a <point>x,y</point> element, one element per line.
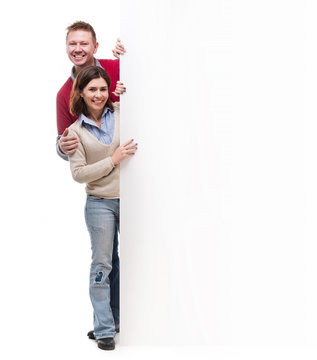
<point>112,335</point>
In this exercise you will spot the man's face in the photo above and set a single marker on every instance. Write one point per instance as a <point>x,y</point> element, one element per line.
<point>81,48</point>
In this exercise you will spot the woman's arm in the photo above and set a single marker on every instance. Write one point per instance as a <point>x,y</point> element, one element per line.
<point>85,173</point>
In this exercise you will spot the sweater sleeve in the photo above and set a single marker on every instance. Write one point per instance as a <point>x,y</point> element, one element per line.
<point>86,173</point>
<point>112,67</point>
<point>63,116</point>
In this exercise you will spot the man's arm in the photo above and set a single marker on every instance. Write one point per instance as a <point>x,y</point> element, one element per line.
<point>59,151</point>
<point>65,144</point>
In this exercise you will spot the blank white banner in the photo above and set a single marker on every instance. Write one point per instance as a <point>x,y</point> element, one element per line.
<point>174,202</point>
<point>213,206</point>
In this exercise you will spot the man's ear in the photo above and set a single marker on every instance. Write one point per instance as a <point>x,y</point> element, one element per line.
<point>96,47</point>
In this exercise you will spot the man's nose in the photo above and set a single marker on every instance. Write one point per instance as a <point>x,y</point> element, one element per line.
<point>78,47</point>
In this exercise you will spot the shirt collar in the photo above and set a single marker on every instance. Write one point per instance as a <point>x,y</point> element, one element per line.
<point>83,118</point>
<point>72,75</point>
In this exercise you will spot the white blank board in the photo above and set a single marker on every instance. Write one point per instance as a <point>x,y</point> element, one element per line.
<point>214,206</point>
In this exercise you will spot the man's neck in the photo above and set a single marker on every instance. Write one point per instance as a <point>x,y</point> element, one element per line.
<point>78,68</point>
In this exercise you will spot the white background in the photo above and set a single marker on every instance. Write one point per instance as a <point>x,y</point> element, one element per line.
<point>219,206</point>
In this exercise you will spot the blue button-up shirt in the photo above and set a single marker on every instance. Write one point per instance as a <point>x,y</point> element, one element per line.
<point>105,133</point>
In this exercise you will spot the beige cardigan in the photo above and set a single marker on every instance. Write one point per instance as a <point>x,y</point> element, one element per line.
<point>91,163</point>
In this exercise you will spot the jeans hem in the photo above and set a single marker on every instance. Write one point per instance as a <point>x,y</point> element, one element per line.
<point>98,337</point>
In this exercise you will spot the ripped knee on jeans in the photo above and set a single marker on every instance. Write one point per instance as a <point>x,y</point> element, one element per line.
<point>100,277</point>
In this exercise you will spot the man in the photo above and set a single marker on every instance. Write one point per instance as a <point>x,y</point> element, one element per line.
<point>81,46</point>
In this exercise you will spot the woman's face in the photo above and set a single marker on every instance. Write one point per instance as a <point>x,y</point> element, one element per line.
<point>95,95</point>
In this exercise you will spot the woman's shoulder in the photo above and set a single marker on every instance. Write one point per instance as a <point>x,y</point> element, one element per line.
<point>116,106</point>
<point>75,127</point>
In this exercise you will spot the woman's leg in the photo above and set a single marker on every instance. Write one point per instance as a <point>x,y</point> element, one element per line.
<point>101,218</point>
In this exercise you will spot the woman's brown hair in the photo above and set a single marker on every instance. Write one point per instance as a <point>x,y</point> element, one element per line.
<point>77,104</point>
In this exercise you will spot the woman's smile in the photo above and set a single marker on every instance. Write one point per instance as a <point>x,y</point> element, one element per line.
<point>95,95</point>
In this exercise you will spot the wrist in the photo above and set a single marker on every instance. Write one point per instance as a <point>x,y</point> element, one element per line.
<point>60,148</point>
<point>113,162</point>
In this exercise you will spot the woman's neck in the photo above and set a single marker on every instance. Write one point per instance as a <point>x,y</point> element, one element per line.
<point>96,117</point>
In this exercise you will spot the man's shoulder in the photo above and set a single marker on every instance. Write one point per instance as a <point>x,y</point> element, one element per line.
<point>66,88</point>
<point>109,64</point>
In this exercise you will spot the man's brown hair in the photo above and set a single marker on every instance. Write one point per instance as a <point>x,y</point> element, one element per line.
<point>81,25</point>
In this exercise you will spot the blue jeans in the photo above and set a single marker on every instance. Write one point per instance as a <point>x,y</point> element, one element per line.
<point>102,220</point>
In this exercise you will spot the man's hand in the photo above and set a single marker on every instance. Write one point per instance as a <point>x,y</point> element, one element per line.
<point>119,49</point>
<point>120,89</point>
<point>68,144</point>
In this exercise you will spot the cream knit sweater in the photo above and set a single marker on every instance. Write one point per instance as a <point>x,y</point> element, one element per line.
<point>91,163</point>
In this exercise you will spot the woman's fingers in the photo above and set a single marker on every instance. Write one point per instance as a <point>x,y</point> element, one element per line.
<point>128,143</point>
<point>132,147</point>
<point>124,151</point>
<point>131,150</point>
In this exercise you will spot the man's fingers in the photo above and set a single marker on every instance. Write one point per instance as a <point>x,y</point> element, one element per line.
<point>66,139</point>
<point>65,133</point>
<point>70,146</point>
<point>119,92</point>
<point>120,47</point>
<point>120,86</point>
<point>70,142</point>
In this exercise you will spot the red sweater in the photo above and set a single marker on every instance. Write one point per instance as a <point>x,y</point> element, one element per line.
<point>64,117</point>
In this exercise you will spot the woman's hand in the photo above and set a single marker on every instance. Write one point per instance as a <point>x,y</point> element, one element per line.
<point>120,89</point>
<point>124,151</point>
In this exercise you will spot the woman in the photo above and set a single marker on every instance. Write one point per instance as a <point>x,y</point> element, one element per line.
<point>96,163</point>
